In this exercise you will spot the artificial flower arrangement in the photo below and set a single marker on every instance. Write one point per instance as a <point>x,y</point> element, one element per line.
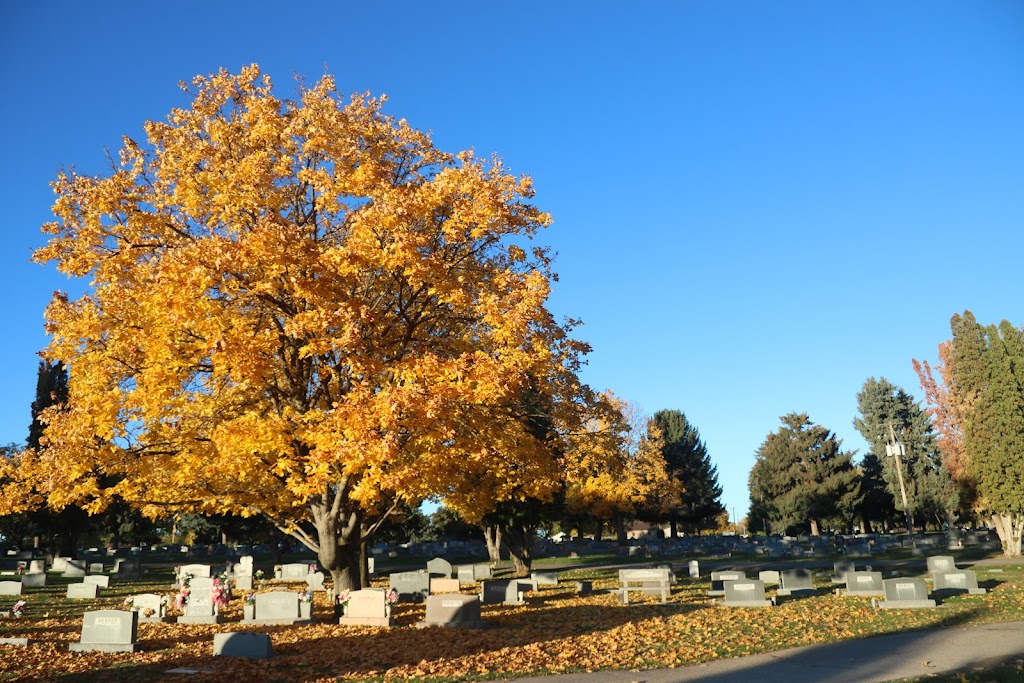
<point>19,608</point>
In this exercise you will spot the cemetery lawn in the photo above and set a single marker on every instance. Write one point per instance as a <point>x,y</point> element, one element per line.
<point>557,631</point>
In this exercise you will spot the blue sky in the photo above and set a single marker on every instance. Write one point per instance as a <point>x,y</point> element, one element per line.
<point>757,205</point>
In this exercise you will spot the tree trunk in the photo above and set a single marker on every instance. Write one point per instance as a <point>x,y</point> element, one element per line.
<point>1009,527</point>
<point>600,531</point>
<point>673,527</point>
<point>492,536</point>
<point>340,543</point>
<point>620,529</point>
<point>520,547</point>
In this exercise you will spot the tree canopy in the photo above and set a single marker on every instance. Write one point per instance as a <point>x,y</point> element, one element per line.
<point>301,309</point>
<point>688,463</point>
<point>802,477</point>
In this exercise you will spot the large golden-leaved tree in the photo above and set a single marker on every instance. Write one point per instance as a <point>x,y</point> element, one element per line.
<point>301,309</point>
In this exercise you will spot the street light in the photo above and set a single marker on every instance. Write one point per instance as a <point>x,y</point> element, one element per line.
<point>895,449</point>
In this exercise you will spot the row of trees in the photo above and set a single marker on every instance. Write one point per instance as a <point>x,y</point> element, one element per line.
<point>961,459</point>
<point>304,311</point>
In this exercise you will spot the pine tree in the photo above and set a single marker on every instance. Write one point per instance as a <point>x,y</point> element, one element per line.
<point>929,488</point>
<point>688,462</point>
<point>802,477</point>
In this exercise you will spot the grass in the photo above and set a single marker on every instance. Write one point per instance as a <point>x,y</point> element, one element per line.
<point>556,631</point>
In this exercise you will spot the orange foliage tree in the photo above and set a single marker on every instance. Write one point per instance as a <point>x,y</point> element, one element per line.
<point>300,309</point>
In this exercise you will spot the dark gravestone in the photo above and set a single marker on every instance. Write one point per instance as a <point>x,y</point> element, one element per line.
<point>247,645</point>
<point>411,586</point>
<point>796,582</point>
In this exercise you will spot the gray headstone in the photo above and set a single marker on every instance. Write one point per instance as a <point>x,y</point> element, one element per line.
<point>280,607</point>
<point>481,571</point>
<point>10,587</point>
<point>584,587</point>
<point>127,567</point>
<point>315,581</point>
<point>957,581</point>
<point>694,567</point>
<point>371,565</point>
<point>719,578</point>
<point>199,609</point>
<point>440,584</point>
<point>840,569</point>
<point>74,568</point>
<point>503,591</point>
<point>440,567</point>
<point>82,591</point>
<point>459,611</point>
<point>411,586</point>
<point>744,593</point>
<point>59,564</point>
<point>199,571</point>
<point>909,593</point>
<point>941,563</point>
<point>796,582</point>
<point>101,580</point>
<point>465,573</point>
<point>243,583</point>
<point>545,578</point>
<point>35,580</point>
<point>244,566</point>
<point>247,645</point>
<point>150,607</point>
<point>36,566</point>
<point>107,631</point>
<point>770,577</point>
<point>96,568</point>
<point>864,583</point>
<point>295,571</point>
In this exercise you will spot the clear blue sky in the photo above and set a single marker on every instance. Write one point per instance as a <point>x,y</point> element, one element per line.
<point>757,205</point>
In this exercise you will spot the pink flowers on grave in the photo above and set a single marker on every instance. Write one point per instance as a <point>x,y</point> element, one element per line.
<point>181,599</point>
<point>313,568</point>
<point>343,597</point>
<point>392,597</point>
<point>306,596</point>
<point>19,608</point>
<point>220,593</point>
<point>250,598</point>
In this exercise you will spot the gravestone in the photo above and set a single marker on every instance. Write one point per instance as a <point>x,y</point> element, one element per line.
<point>36,566</point>
<point>440,567</point>
<point>198,571</point>
<point>127,568</point>
<point>864,583</point>
<point>694,567</point>
<point>481,571</point>
<point>243,567</point>
<point>367,607</point>
<point>150,607</point>
<point>411,586</point>
<point>941,563</point>
<point>504,591</point>
<point>82,591</point>
<point>295,571</point>
<point>96,568</point>
<point>584,587</point>
<point>769,577</point>
<point>840,569</point>
<point>545,578</point>
<point>35,580</point>
<point>243,583</point>
<point>371,565</point>
<point>744,593</point>
<point>719,578</point>
<point>279,607</point>
<point>10,587</point>
<point>442,585</point>
<point>74,568</point>
<point>199,608</point>
<point>453,611</point>
<point>101,580</point>
<point>107,630</point>
<point>246,645</point>
<point>796,582</point>
<point>957,581</point>
<point>59,564</point>
<point>904,593</point>
<point>465,573</point>
<point>315,581</point>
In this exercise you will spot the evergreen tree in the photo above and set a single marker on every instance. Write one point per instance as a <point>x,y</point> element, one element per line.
<point>989,374</point>
<point>801,477</point>
<point>51,390</point>
<point>877,504</point>
<point>930,491</point>
<point>687,461</point>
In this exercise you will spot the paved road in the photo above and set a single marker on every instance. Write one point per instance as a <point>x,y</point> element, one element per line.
<point>881,658</point>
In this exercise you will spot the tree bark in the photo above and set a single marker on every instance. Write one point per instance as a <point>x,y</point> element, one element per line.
<point>520,547</point>
<point>620,529</point>
<point>492,536</point>
<point>1009,527</point>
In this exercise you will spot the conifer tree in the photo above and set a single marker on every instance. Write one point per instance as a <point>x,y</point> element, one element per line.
<point>688,463</point>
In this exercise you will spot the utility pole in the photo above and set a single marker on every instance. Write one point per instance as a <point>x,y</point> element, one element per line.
<point>896,450</point>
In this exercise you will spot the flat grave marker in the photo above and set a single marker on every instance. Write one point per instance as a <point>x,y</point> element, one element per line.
<point>958,581</point>
<point>453,611</point>
<point>744,593</point>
